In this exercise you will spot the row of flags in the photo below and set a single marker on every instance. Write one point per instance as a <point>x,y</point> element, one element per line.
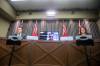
<point>64,27</point>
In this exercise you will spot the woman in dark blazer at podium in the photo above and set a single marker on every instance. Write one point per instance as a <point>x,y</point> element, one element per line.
<point>83,31</point>
<point>85,38</point>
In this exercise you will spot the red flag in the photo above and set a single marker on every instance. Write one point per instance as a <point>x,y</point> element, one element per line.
<point>35,30</point>
<point>64,33</point>
<point>79,27</point>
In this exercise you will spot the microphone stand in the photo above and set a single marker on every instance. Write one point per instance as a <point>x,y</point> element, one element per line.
<point>85,42</point>
<point>87,56</point>
<point>13,40</point>
<point>11,55</point>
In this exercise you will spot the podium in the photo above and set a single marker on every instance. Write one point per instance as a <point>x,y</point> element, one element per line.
<point>85,41</point>
<point>66,50</point>
<point>13,40</point>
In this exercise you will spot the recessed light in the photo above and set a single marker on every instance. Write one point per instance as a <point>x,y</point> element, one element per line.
<point>51,13</point>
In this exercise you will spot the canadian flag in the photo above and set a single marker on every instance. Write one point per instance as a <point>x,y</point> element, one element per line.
<point>65,36</point>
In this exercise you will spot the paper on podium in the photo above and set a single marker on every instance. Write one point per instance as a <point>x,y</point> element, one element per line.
<point>32,37</point>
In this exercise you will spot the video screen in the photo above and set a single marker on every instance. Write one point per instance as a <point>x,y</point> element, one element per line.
<point>43,36</point>
<point>49,36</point>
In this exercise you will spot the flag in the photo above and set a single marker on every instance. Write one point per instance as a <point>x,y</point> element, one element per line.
<point>17,24</point>
<point>43,25</point>
<point>87,25</point>
<point>64,32</point>
<point>34,32</point>
<point>79,27</point>
<point>21,24</point>
<point>19,28</point>
<point>65,36</point>
<point>70,23</point>
<point>71,27</point>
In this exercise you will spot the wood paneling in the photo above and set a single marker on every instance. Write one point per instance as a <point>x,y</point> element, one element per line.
<point>47,53</point>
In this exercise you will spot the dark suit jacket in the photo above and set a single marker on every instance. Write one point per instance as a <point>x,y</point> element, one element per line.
<point>22,35</point>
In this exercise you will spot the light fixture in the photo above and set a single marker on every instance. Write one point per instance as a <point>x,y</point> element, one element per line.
<point>51,13</point>
<point>17,0</point>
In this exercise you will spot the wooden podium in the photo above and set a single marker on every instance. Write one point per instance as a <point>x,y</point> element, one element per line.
<point>48,53</point>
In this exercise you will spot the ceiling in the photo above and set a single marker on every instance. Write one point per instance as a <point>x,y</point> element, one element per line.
<point>55,4</point>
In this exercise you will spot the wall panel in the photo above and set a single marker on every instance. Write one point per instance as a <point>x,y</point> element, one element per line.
<point>4,27</point>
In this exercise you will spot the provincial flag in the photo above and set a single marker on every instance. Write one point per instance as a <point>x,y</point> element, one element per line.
<point>35,31</point>
<point>17,24</point>
<point>20,29</point>
<point>71,28</point>
<point>43,25</point>
<point>87,25</point>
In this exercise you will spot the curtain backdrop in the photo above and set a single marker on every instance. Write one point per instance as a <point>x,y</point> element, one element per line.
<point>56,26</point>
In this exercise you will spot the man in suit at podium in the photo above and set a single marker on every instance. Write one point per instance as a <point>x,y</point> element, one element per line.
<point>19,31</point>
<point>20,34</point>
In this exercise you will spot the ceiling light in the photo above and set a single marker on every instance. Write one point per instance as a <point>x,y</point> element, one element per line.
<point>51,13</point>
<point>17,0</point>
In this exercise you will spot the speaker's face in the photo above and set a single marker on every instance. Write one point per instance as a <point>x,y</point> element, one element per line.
<point>83,31</point>
<point>19,30</point>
